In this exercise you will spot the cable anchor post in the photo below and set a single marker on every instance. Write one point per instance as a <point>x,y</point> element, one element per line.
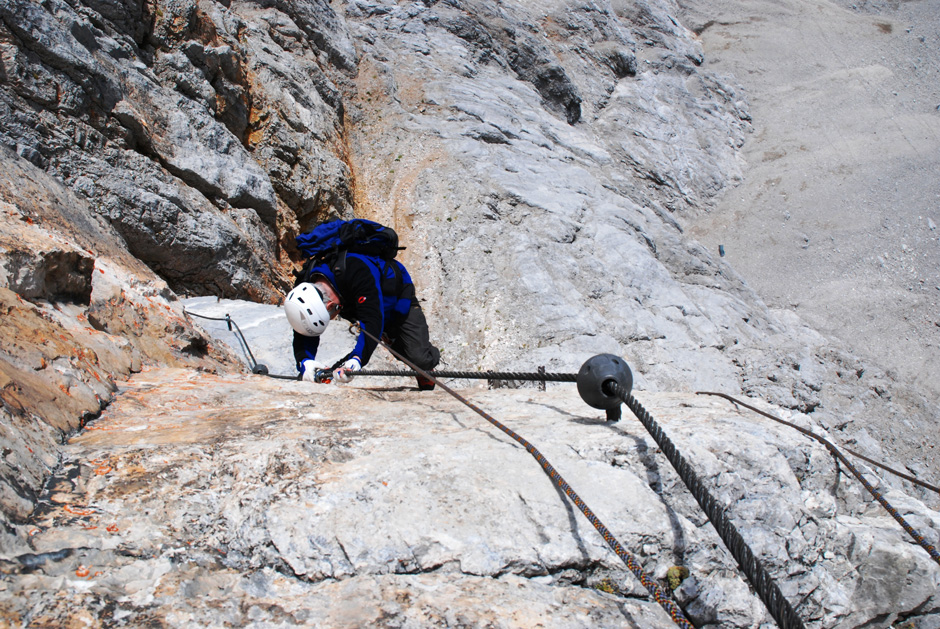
<point>594,377</point>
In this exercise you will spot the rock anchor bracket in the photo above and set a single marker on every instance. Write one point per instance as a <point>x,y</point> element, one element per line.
<point>598,371</point>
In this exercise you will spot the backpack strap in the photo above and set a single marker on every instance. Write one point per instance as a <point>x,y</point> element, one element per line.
<point>336,260</point>
<point>339,263</point>
<point>304,273</point>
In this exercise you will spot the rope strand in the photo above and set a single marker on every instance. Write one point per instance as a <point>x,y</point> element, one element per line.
<point>751,566</point>
<point>655,590</point>
<point>931,550</point>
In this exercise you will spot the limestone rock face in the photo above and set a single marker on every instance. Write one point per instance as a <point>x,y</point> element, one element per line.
<point>540,162</point>
<point>78,313</point>
<point>194,132</point>
<point>242,500</point>
<point>535,241</point>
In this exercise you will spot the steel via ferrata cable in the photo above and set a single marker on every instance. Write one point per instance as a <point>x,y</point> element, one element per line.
<point>238,333</point>
<point>776,603</point>
<point>764,585</point>
<point>931,550</point>
<point>479,375</point>
<point>563,377</point>
<point>655,590</point>
<point>571,377</point>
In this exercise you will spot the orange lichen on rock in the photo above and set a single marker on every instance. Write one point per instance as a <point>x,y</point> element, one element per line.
<point>78,511</point>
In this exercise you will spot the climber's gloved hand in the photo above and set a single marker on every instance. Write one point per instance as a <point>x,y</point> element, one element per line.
<point>342,374</point>
<point>310,368</point>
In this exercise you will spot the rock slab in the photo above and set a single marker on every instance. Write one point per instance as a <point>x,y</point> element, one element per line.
<point>204,499</point>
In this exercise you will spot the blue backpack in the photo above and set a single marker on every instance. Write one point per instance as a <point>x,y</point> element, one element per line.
<point>328,243</point>
<point>359,235</point>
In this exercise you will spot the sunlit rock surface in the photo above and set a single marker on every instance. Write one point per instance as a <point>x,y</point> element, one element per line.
<point>202,499</point>
<point>539,161</point>
<point>78,314</point>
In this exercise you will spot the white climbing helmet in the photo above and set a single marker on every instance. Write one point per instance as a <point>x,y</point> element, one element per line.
<point>306,311</point>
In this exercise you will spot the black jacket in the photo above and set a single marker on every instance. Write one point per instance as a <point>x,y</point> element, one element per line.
<point>374,292</point>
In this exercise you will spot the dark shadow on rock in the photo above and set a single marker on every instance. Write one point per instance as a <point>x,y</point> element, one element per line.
<point>489,433</point>
<point>654,480</point>
<point>573,522</point>
<point>578,419</point>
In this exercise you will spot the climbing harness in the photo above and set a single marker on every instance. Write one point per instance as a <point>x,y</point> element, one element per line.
<point>855,472</point>
<point>605,382</point>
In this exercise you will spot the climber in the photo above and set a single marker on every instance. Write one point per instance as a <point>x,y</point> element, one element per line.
<point>374,292</point>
